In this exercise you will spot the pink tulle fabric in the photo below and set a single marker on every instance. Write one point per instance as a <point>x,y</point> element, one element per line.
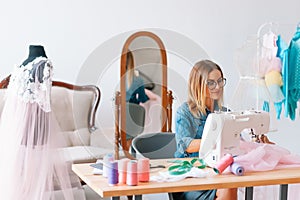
<point>264,157</point>
<point>32,165</point>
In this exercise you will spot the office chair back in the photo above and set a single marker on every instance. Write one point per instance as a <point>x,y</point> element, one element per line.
<point>155,145</point>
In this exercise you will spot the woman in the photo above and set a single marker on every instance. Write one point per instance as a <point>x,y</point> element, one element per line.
<point>135,89</point>
<point>205,95</point>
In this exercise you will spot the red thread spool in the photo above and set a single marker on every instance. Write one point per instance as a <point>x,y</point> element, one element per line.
<point>123,170</point>
<point>223,163</point>
<point>132,178</point>
<point>143,169</point>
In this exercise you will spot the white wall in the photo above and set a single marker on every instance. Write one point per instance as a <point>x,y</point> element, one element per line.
<point>84,40</point>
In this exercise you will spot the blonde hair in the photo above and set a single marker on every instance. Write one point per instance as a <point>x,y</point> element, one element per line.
<point>129,68</point>
<point>197,87</point>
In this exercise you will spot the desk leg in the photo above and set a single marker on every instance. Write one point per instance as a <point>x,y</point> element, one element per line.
<point>115,198</point>
<point>138,197</point>
<point>283,192</point>
<point>249,193</point>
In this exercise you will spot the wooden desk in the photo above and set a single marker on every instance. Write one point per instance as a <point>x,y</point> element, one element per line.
<point>275,177</point>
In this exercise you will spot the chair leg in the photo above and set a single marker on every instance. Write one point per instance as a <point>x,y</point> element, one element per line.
<point>132,151</point>
<point>170,196</point>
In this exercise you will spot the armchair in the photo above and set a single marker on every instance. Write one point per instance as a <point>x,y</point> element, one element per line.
<point>74,108</point>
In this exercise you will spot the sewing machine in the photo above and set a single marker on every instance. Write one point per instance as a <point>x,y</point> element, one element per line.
<point>222,133</point>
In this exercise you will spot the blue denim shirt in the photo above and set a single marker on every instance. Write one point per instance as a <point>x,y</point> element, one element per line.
<point>187,128</point>
<point>136,92</point>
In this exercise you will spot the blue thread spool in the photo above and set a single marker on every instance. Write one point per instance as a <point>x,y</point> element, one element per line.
<point>237,169</point>
<point>113,174</point>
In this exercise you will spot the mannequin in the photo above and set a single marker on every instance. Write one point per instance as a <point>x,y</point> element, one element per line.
<point>32,146</point>
<point>36,51</point>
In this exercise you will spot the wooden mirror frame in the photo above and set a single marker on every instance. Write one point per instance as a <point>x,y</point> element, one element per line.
<point>120,97</point>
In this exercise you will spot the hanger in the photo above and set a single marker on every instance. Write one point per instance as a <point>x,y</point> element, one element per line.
<point>268,28</point>
<point>270,25</point>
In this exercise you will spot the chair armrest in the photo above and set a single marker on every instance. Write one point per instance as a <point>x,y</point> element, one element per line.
<point>79,137</point>
<point>103,138</point>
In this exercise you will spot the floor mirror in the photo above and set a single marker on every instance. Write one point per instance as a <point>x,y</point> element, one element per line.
<point>144,103</point>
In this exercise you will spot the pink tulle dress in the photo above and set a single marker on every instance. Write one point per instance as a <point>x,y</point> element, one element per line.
<point>32,166</point>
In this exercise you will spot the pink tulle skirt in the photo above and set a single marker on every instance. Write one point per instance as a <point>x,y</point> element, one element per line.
<point>32,166</point>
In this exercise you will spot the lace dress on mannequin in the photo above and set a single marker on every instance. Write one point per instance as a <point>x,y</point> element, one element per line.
<point>32,165</point>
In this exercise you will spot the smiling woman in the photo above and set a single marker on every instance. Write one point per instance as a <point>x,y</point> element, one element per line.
<point>206,84</point>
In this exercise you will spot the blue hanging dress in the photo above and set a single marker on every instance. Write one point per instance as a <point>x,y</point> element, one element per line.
<point>283,53</point>
<point>294,74</point>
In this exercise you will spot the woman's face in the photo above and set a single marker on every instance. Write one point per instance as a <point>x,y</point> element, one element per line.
<point>213,78</point>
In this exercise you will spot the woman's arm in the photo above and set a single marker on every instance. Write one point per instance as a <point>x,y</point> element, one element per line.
<point>185,132</point>
<point>194,146</point>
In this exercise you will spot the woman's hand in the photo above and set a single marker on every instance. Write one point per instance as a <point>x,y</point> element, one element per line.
<point>151,95</point>
<point>194,146</point>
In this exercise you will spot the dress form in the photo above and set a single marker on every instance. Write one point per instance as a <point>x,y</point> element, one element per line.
<point>35,51</point>
<point>31,155</point>
<point>252,92</point>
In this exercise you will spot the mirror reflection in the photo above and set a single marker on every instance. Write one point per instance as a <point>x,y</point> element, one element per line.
<point>135,86</point>
<point>144,101</point>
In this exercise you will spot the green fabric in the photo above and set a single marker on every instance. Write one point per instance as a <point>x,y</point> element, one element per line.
<point>185,166</point>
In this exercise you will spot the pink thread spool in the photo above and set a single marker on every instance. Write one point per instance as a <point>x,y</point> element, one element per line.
<point>223,163</point>
<point>112,174</point>
<point>132,178</point>
<point>143,169</point>
<point>123,170</point>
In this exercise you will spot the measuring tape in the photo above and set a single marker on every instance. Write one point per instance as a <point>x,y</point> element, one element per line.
<point>185,166</point>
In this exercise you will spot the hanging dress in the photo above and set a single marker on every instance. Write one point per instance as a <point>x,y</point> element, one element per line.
<point>294,74</point>
<point>283,54</point>
<point>270,66</point>
<point>32,165</point>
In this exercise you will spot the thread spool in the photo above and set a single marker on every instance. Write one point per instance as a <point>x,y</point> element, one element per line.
<point>106,160</point>
<point>237,169</point>
<point>112,174</point>
<point>143,169</point>
<point>132,178</point>
<point>123,170</point>
<point>223,163</point>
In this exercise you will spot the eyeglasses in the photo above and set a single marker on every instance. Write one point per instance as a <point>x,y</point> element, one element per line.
<point>211,84</point>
